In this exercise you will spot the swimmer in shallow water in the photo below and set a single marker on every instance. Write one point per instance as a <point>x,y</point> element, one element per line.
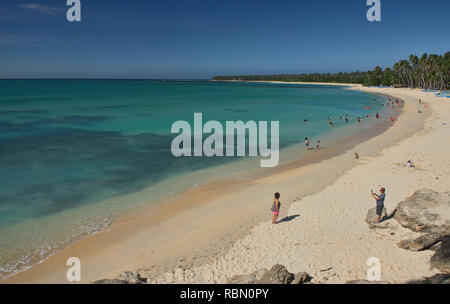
<point>330,122</point>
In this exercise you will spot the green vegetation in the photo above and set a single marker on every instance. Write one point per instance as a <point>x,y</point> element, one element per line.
<point>430,72</point>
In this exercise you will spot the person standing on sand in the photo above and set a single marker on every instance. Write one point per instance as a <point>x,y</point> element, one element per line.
<point>275,207</point>
<point>307,143</point>
<point>380,203</point>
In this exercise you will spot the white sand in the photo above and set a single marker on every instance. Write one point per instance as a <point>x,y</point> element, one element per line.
<point>330,230</point>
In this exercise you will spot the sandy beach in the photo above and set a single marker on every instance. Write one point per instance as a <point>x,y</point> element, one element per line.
<point>223,229</point>
<point>326,235</point>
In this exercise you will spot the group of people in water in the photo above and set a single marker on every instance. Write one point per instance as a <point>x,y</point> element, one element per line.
<point>391,103</point>
<point>308,143</point>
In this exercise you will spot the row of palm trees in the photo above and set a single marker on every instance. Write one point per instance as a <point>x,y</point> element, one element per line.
<point>430,72</point>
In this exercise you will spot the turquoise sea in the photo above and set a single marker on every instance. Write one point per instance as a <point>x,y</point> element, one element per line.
<point>77,154</point>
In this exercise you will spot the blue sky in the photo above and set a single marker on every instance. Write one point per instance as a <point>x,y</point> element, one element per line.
<point>200,39</point>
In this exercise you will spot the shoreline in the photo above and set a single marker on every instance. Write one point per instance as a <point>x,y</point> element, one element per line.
<point>295,82</point>
<point>206,201</point>
<point>326,234</point>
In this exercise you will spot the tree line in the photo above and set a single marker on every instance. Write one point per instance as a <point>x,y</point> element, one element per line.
<point>430,72</point>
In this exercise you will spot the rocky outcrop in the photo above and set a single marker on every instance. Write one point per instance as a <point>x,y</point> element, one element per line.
<point>366,282</point>
<point>425,211</point>
<point>441,259</point>
<point>110,281</point>
<point>436,279</point>
<point>428,212</point>
<point>278,274</point>
<point>371,217</point>
<point>251,278</point>
<point>127,277</point>
<point>301,278</point>
<point>423,242</point>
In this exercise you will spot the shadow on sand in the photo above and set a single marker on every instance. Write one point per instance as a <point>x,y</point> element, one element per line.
<point>288,218</point>
<point>388,217</point>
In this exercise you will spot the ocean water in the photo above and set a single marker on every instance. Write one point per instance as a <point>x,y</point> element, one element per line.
<point>77,154</point>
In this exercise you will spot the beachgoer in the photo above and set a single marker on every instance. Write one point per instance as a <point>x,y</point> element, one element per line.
<point>380,202</point>
<point>409,164</point>
<point>377,116</point>
<point>330,122</point>
<point>275,207</point>
<point>356,155</point>
<point>307,143</point>
<point>346,120</point>
<point>318,145</point>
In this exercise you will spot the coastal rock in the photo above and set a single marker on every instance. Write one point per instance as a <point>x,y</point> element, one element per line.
<point>127,277</point>
<point>301,278</point>
<point>278,274</point>
<point>371,217</point>
<point>428,212</point>
<point>110,281</point>
<point>423,242</point>
<point>441,259</point>
<point>131,278</point>
<point>425,211</point>
<point>251,278</point>
<point>440,278</point>
<point>366,282</point>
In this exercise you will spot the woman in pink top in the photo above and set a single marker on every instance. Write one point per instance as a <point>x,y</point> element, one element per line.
<point>276,207</point>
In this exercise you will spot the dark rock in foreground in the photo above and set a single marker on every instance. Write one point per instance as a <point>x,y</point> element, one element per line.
<point>436,279</point>
<point>251,278</point>
<point>278,274</point>
<point>366,282</point>
<point>301,278</point>
<point>125,278</point>
<point>423,242</point>
<point>109,281</point>
<point>441,259</point>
